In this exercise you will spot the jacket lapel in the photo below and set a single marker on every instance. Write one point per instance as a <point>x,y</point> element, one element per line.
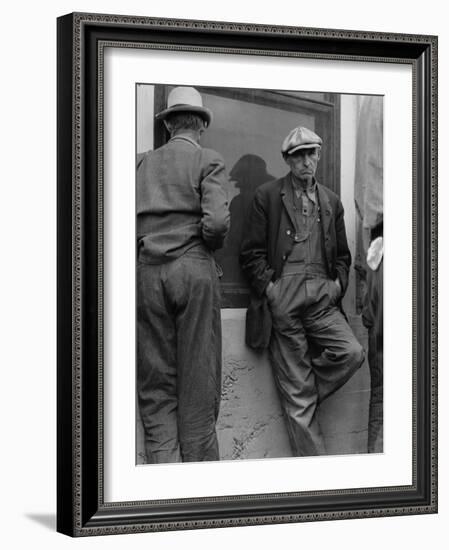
<point>285,198</point>
<point>326,218</point>
<point>325,208</point>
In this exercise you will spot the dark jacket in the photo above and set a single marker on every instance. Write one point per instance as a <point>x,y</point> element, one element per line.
<point>181,200</point>
<point>269,240</point>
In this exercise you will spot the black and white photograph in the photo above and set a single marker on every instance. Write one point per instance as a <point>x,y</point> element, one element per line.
<point>208,341</point>
<point>259,273</point>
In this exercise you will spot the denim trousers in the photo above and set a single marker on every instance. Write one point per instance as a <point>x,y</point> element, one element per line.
<point>179,357</point>
<point>306,319</point>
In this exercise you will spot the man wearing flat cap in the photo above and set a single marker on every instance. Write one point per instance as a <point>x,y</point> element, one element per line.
<point>182,217</point>
<point>296,257</point>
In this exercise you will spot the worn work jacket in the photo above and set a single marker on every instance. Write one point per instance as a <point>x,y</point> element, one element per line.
<point>181,200</point>
<point>269,240</point>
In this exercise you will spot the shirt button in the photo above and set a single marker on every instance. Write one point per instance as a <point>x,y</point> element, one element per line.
<point>284,257</point>
<point>288,232</point>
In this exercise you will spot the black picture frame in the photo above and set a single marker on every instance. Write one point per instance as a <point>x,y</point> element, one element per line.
<point>81,510</point>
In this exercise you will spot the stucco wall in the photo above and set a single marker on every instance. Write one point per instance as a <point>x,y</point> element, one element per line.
<point>251,424</point>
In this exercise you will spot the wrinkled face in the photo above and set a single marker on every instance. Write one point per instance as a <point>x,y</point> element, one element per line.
<point>303,164</point>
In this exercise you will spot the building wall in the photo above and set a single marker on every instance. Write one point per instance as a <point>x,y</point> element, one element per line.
<point>145,117</point>
<point>349,109</point>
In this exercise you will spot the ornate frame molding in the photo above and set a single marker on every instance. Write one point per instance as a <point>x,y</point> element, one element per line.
<point>81,42</point>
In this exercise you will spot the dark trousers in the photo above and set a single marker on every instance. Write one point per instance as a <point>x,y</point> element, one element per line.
<point>179,357</point>
<point>373,320</point>
<point>305,315</point>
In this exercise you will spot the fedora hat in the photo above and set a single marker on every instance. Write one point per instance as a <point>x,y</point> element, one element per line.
<point>185,99</point>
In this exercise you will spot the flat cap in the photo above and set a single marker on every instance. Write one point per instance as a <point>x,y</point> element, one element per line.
<point>300,138</point>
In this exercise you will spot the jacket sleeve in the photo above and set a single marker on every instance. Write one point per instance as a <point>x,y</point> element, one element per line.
<point>215,218</point>
<point>254,249</point>
<point>343,260</point>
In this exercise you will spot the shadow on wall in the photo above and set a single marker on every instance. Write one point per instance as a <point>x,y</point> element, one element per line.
<point>248,173</point>
<point>46,520</point>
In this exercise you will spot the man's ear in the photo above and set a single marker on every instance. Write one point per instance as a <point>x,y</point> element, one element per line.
<point>319,154</point>
<point>166,125</point>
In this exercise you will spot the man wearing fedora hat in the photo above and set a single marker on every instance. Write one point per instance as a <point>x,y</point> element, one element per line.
<point>182,217</point>
<point>296,257</point>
